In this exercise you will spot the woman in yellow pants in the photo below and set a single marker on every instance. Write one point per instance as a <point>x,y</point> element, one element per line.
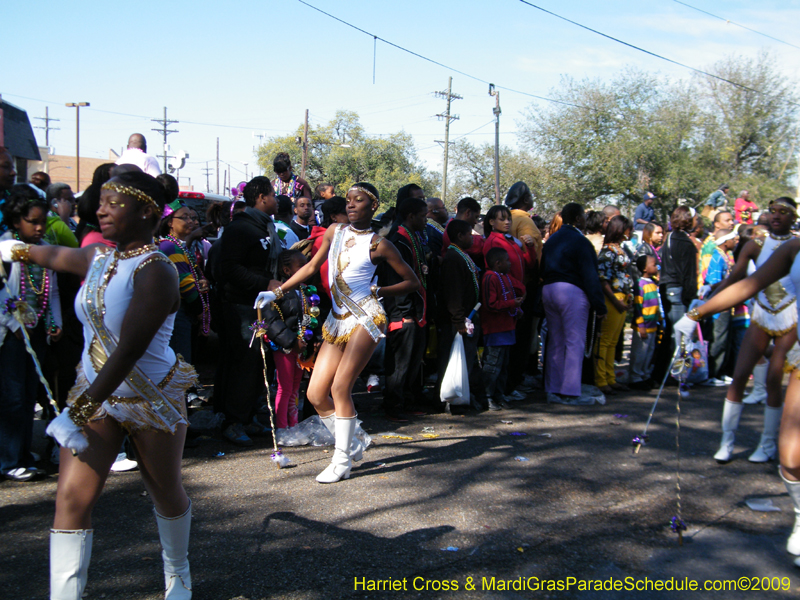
<point>613,264</point>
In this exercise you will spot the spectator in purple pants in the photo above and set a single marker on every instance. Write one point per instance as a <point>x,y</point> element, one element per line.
<point>571,288</point>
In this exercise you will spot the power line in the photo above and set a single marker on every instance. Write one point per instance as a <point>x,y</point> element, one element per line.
<point>705,12</point>
<point>436,62</point>
<point>619,41</point>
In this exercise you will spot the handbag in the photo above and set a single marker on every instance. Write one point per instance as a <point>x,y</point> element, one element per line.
<point>455,382</point>
<point>697,358</point>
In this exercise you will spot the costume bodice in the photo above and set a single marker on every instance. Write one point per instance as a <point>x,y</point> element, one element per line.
<point>780,294</point>
<point>353,270</point>
<point>113,292</point>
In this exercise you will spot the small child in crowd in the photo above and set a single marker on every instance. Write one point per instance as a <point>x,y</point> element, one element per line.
<point>648,314</point>
<point>459,283</point>
<point>291,329</point>
<point>502,296</point>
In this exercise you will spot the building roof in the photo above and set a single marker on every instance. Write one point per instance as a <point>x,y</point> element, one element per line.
<point>18,135</point>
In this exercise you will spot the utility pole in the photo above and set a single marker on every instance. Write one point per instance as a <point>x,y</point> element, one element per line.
<point>496,111</point>
<point>77,106</point>
<point>165,131</point>
<point>47,129</point>
<point>218,165</point>
<point>449,96</point>
<point>305,148</point>
<point>208,172</point>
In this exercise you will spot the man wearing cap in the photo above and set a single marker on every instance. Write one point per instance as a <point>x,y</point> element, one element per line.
<point>644,213</point>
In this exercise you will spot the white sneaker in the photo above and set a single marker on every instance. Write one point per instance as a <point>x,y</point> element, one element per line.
<point>123,464</point>
<point>714,382</point>
<point>373,384</point>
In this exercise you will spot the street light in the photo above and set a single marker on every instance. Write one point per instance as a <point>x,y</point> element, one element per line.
<point>77,106</point>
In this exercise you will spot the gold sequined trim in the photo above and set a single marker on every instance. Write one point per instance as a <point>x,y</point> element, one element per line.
<point>133,193</point>
<point>773,311</point>
<point>341,340</point>
<point>137,252</point>
<point>375,243</point>
<point>157,257</point>
<point>772,332</point>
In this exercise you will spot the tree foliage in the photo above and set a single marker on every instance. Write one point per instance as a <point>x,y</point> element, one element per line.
<point>340,152</point>
<point>612,141</point>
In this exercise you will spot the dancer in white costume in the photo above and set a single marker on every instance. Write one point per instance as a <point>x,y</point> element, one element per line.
<point>783,262</point>
<point>129,381</point>
<point>774,319</point>
<point>355,324</point>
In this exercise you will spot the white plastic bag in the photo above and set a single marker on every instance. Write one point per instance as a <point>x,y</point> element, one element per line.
<point>455,383</point>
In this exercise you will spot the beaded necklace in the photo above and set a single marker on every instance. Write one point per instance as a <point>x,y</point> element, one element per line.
<point>287,188</point>
<point>514,312</point>
<point>196,274</point>
<point>41,295</point>
<point>473,268</point>
<point>308,321</point>
<point>419,257</point>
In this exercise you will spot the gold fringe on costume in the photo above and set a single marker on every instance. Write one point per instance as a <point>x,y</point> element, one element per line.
<point>792,363</point>
<point>136,414</point>
<point>337,329</point>
<point>775,324</point>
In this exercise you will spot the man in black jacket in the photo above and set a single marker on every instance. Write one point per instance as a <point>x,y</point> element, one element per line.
<point>405,315</point>
<point>248,262</point>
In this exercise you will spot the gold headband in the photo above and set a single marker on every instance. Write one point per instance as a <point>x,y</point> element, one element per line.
<point>784,203</point>
<point>133,193</point>
<point>358,188</point>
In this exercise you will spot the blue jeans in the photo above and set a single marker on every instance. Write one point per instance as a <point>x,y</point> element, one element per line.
<point>674,309</point>
<point>19,385</point>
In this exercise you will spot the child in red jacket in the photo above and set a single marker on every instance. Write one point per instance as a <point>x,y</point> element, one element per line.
<point>501,297</point>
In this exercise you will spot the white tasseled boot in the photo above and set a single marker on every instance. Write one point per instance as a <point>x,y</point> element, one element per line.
<point>768,446</point>
<point>730,422</point>
<point>356,448</point>
<point>174,534</point>
<point>793,487</point>
<point>340,466</point>
<point>70,553</point>
<point>758,395</point>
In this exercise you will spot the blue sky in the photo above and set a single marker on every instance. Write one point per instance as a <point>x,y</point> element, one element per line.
<point>233,69</point>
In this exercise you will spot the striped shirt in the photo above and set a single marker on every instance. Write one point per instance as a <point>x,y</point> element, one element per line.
<point>648,306</point>
<point>188,285</point>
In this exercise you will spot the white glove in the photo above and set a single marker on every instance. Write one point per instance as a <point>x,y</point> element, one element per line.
<point>685,327</point>
<point>264,298</point>
<point>5,249</point>
<point>704,291</point>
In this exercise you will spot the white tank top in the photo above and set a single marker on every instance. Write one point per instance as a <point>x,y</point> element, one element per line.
<point>353,270</point>
<point>780,294</point>
<point>158,359</point>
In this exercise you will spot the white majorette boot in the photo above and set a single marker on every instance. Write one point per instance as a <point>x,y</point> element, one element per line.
<point>344,427</point>
<point>793,487</point>
<point>730,422</point>
<point>70,553</point>
<point>174,534</point>
<point>768,446</point>
<point>758,395</point>
<point>356,448</point>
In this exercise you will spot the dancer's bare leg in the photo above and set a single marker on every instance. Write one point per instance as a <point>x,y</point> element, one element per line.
<point>159,454</point>
<point>319,388</point>
<point>789,438</point>
<point>356,355</point>
<point>754,344</point>
<point>81,478</point>
<point>775,373</point>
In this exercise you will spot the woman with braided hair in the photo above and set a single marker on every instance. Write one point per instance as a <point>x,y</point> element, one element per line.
<point>129,381</point>
<point>357,321</point>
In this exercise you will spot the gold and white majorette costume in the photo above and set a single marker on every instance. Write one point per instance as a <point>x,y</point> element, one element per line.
<point>350,275</point>
<point>775,309</point>
<point>152,395</point>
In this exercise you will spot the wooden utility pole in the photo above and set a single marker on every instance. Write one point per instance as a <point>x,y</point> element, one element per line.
<point>77,106</point>
<point>496,111</point>
<point>47,129</point>
<point>449,96</point>
<point>218,165</point>
<point>165,131</point>
<point>305,148</point>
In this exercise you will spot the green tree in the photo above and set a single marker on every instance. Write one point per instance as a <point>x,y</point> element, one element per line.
<point>341,153</point>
